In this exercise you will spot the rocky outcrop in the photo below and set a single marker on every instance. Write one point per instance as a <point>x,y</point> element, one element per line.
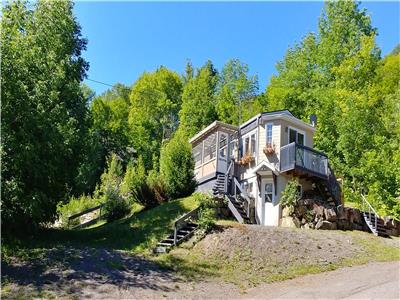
<point>316,214</point>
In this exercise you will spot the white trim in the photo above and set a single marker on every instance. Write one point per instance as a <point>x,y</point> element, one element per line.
<point>268,165</point>
<point>291,119</point>
<point>212,126</point>
<point>248,135</point>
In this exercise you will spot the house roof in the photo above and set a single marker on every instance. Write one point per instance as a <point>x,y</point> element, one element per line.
<point>214,125</point>
<point>279,114</point>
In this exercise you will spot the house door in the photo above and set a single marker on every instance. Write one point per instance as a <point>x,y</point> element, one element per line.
<point>268,201</point>
<point>223,152</point>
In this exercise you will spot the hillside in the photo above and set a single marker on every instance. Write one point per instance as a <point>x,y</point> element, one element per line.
<point>247,255</point>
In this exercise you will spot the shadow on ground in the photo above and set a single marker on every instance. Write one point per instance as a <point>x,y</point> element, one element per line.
<point>66,270</point>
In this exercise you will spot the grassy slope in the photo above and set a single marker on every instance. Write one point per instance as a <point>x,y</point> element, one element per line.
<point>137,233</point>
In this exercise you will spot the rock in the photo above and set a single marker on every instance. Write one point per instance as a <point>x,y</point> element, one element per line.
<point>344,225</point>
<point>341,212</point>
<point>318,211</point>
<point>300,211</point>
<point>356,216</point>
<point>288,222</point>
<point>325,225</point>
<point>296,222</point>
<point>303,221</point>
<point>307,226</point>
<point>330,214</point>
<point>286,212</point>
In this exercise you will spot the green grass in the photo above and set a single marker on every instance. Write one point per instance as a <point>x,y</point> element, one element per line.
<point>137,233</point>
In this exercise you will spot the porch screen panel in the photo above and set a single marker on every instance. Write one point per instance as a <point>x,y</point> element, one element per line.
<point>197,153</point>
<point>210,147</point>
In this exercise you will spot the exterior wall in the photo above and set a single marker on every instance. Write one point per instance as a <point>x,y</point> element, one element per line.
<point>276,140</point>
<point>309,139</point>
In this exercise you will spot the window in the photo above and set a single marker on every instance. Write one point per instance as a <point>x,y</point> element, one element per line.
<point>197,152</point>
<point>268,192</point>
<point>246,145</point>
<point>210,147</point>
<point>268,130</point>
<point>223,145</point>
<point>295,136</point>
<point>253,145</point>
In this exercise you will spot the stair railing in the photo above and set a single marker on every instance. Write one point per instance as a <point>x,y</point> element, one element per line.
<point>227,176</point>
<point>183,220</point>
<point>242,194</point>
<point>366,204</point>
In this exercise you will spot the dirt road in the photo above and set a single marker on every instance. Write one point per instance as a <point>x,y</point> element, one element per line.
<point>102,274</point>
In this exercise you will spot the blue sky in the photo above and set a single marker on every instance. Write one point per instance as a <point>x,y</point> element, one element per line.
<point>128,38</point>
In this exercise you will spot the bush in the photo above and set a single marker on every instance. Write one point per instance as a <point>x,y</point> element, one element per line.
<point>290,196</point>
<point>74,206</point>
<point>207,214</point>
<point>156,185</point>
<point>115,206</point>
<point>177,166</point>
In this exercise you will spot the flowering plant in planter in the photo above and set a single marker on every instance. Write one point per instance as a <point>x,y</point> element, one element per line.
<point>269,149</point>
<point>246,159</point>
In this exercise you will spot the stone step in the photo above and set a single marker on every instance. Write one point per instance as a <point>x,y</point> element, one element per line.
<point>164,244</point>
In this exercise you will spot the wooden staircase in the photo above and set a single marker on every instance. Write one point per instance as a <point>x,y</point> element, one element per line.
<point>218,189</point>
<point>183,229</point>
<point>240,205</point>
<point>374,222</point>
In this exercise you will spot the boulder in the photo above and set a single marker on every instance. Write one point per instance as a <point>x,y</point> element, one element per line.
<point>330,214</point>
<point>300,211</point>
<point>341,213</point>
<point>356,216</point>
<point>343,225</point>
<point>325,225</point>
<point>288,222</point>
<point>318,211</point>
<point>286,212</point>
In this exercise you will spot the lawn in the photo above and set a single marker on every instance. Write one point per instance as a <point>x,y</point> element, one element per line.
<point>137,233</point>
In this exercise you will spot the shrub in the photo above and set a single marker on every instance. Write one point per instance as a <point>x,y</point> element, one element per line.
<point>176,166</point>
<point>74,206</point>
<point>115,206</point>
<point>156,185</point>
<point>290,196</point>
<point>207,214</point>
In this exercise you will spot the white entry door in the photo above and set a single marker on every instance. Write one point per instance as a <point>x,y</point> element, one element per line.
<point>268,193</point>
<point>223,152</point>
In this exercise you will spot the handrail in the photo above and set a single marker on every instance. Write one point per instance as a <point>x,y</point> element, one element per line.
<point>227,175</point>
<point>376,216</point>
<point>183,220</point>
<point>84,212</point>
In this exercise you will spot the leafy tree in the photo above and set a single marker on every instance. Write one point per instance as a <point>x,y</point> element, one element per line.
<point>177,166</point>
<point>235,88</point>
<point>153,117</point>
<point>198,100</point>
<point>44,111</point>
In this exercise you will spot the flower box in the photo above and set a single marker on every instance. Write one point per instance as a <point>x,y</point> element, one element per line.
<point>269,149</point>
